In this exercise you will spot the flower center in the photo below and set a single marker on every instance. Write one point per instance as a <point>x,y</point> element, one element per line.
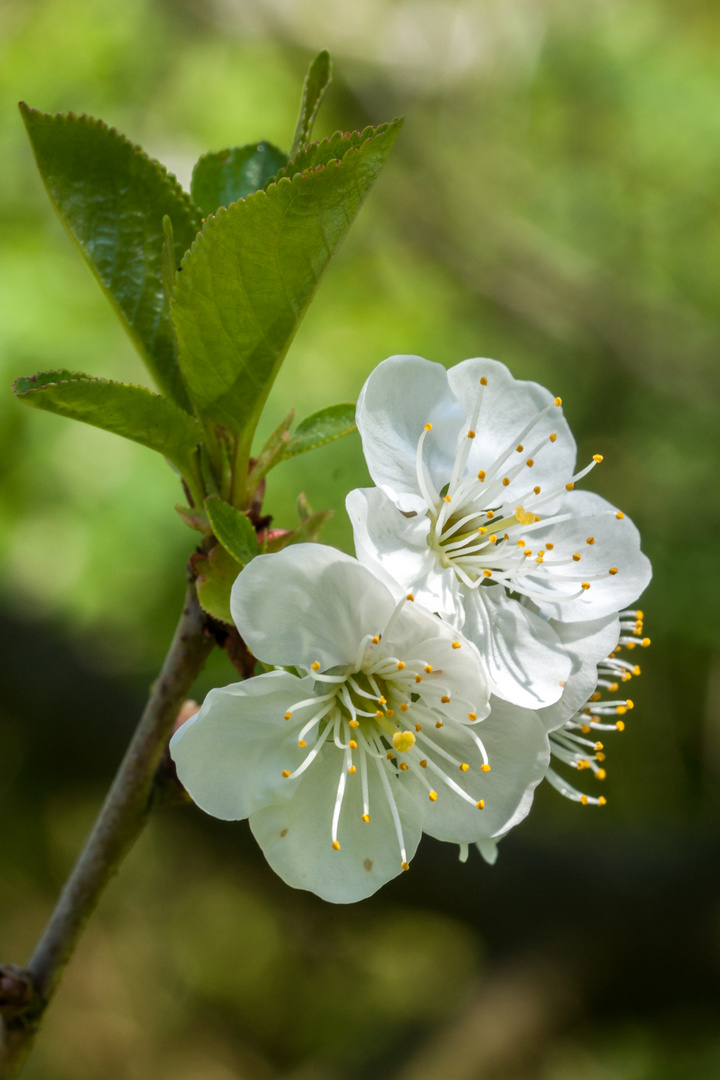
<point>473,531</point>
<point>385,713</point>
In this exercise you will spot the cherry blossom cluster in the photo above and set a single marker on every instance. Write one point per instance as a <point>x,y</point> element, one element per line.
<point>425,685</point>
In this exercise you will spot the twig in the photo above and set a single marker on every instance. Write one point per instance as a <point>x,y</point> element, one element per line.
<point>118,825</point>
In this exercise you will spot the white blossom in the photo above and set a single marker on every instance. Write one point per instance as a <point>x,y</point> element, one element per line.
<point>374,727</point>
<point>476,512</point>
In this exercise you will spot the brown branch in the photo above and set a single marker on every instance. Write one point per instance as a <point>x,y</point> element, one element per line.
<point>118,825</point>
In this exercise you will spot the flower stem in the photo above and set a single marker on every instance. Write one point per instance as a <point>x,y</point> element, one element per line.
<point>116,828</point>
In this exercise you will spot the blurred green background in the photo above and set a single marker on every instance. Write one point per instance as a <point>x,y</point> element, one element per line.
<point>552,202</point>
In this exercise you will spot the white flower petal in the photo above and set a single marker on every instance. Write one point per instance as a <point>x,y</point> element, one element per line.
<point>230,756</point>
<point>402,395</point>
<point>586,644</point>
<point>308,603</point>
<point>508,405</point>
<point>525,659</point>
<point>295,836</point>
<point>603,541</point>
<point>518,751</point>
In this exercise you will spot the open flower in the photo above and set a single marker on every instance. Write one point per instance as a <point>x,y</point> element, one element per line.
<point>475,511</point>
<point>379,731</point>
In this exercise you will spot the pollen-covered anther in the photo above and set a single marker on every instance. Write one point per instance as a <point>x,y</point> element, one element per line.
<point>418,727</point>
<point>400,665</point>
<point>558,401</point>
<point>423,763</point>
<point>600,774</point>
<point>590,540</point>
<point>471,434</point>
<point>481,475</point>
<point>530,462</point>
<point>456,645</point>
<point>418,678</point>
<point>613,570</point>
<point>549,547</point>
<point>376,639</point>
<point>483,381</point>
<point>366,818</point>
<point>315,665</point>
<point>427,669</point>
<point>464,766</point>
<point>620,725</point>
<point>288,715</point>
<point>445,699</point>
<point>485,767</point>
<point>428,427</point>
<point>602,801</point>
<point>352,769</point>
<point>577,556</point>
<point>403,741</point>
<point>584,800</point>
<point>354,723</point>
<point>410,596</point>
<point>286,773</point>
<point>506,481</point>
<point>619,515</point>
<point>585,585</point>
<point>404,707</point>
<point>487,573</point>
<point>353,745</point>
<point>446,498</point>
<point>404,766</point>
<point>302,743</point>
<point>598,458</point>
<point>433,796</point>
<point>537,490</point>
<point>472,716</point>
<point>519,448</point>
<point>480,804</point>
<point>553,437</point>
<point>490,514</point>
<point>570,486</point>
<point>524,516</point>
<point>439,724</point>
<point>405,865</point>
<point>335,845</point>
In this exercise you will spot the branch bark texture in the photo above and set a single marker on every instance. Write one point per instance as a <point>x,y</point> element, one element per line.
<point>118,825</point>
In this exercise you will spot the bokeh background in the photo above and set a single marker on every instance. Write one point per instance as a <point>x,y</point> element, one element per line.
<point>552,202</point>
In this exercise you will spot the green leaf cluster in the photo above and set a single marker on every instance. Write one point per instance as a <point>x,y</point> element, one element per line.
<point>211,287</point>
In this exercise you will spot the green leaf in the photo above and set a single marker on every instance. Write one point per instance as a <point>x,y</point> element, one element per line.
<point>112,199</point>
<point>228,175</point>
<point>333,148</point>
<point>251,274</point>
<point>316,83</point>
<point>233,529</point>
<point>216,574</point>
<point>322,427</point>
<point>131,411</point>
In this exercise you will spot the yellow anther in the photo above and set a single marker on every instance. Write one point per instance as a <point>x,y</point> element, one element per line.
<point>601,774</point>
<point>483,381</point>
<point>403,741</point>
<point>569,487</point>
<point>577,556</point>
<point>558,401</point>
<point>315,666</point>
<point>379,714</point>
<point>471,434</point>
<point>630,704</point>
<point>640,615</point>
<point>636,670</point>
<point>582,765</point>
<point>376,640</point>
<point>530,462</point>
<point>366,818</point>
<point>597,457</point>
<point>613,570</point>
<point>286,773</point>
<point>352,769</point>
<point>553,437</point>
<point>645,642</point>
<point>445,699</point>
<point>335,845</point>
<point>585,729</point>
<point>423,763</point>
<point>405,865</point>
<point>596,696</point>
<point>520,448</point>
<point>620,725</point>
<point>487,573</point>
<point>480,804</point>
<point>390,756</point>
<point>619,515</point>
<point>590,540</point>
<point>464,767</point>
<point>428,427</point>
<point>493,539</point>
<point>523,516</point>
<point>521,543</point>
<point>585,585</point>
<point>352,744</point>
<point>584,800</point>
<point>389,712</point>
<point>614,687</point>
<point>472,716</point>
<point>427,669</point>
<point>490,514</point>
<point>418,727</point>
<point>506,481</point>
<point>404,707</point>
<point>433,796</point>
<point>481,475</point>
<point>404,767</point>
<point>485,767</point>
<point>439,724</point>
<point>537,490</point>
<point>418,678</point>
<point>288,715</point>
<point>456,645</point>
<point>602,801</point>
<point>482,531</point>
<point>382,701</point>
<point>599,756</point>
<point>446,498</point>
<point>354,723</point>
<point>527,553</point>
<point>549,546</point>
<point>400,665</point>
<point>540,557</point>
<point>302,743</point>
